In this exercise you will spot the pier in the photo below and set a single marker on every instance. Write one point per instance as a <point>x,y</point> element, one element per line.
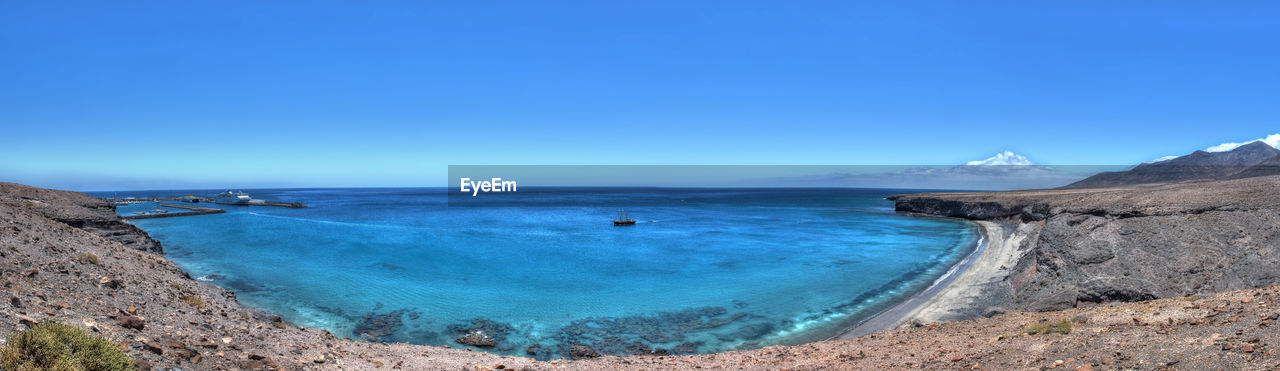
<point>187,203</point>
<point>208,200</point>
<point>194,210</point>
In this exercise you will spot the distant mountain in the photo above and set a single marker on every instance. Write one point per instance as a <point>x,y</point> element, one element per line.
<point>1249,160</point>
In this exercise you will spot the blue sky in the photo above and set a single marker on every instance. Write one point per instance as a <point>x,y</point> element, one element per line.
<point>118,95</point>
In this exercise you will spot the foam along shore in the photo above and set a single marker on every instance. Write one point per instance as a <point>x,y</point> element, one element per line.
<point>965,292</point>
<point>953,289</point>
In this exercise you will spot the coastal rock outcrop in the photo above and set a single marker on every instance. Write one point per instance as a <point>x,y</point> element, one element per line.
<point>1091,246</point>
<point>80,211</point>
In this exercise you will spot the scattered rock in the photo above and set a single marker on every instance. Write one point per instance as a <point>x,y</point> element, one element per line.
<point>153,346</point>
<point>133,322</point>
<point>579,351</point>
<point>957,358</point>
<point>476,339</point>
<point>109,282</point>
<point>27,321</point>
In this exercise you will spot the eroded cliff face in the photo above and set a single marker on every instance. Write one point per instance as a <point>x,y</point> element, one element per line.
<point>80,211</point>
<point>1128,244</point>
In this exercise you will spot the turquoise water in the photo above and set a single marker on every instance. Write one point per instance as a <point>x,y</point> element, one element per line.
<point>703,271</point>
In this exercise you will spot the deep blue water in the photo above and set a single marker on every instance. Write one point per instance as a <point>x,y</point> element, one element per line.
<point>720,269</point>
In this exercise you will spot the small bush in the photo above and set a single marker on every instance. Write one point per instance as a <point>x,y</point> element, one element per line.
<point>193,301</point>
<point>1062,326</point>
<point>176,285</point>
<point>89,258</point>
<point>55,346</point>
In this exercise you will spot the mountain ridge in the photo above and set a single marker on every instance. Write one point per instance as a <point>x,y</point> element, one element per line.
<point>1246,161</point>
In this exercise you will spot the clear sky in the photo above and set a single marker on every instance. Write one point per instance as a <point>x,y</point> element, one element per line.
<point>123,94</point>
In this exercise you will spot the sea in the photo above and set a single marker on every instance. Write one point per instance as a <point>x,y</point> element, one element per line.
<point>542,270</point>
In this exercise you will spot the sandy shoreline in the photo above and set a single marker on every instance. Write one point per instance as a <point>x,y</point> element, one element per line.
<point>960,289</point>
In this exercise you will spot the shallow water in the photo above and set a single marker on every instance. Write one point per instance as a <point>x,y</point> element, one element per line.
<point>703,270</point>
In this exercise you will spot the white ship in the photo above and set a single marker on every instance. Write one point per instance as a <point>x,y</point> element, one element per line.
<point>232,198</point>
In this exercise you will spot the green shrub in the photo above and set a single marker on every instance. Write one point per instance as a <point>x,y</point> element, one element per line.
<point>55,346</point>
<point>88,258</point>
<point>1062,326</point>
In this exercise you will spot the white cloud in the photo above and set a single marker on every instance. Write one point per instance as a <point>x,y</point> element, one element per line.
<point>1271,140</point>
<point>1165,158</point>
<point>1003,158</point>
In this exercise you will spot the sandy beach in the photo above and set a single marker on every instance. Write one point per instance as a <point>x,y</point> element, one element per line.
<point>961,288</point>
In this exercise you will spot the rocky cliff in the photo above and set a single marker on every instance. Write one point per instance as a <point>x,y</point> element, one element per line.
<point>1131,243</point>
<point>80,211</point>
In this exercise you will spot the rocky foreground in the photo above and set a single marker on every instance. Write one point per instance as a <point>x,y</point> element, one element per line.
<point>66,257</point>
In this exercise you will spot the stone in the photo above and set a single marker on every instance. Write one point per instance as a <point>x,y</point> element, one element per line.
<point>206,343</point>
<point>533,349</point>
<point>133,322</point>
<point>579,351</point>
<point>957,358</point>
<point>184,353</point>
<point>27,321</point>
<point>476,338</point>
<point>109,282</point>
<point>153,346</point>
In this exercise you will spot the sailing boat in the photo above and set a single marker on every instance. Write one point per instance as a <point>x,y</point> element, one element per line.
<point>623,219</point>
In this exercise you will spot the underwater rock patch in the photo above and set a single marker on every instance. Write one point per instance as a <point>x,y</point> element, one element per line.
<point>376,327</point>
<point>482,332</point>
<point>635,335</point>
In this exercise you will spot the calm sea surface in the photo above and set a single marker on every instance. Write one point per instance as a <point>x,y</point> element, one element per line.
<point>703,270</point>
